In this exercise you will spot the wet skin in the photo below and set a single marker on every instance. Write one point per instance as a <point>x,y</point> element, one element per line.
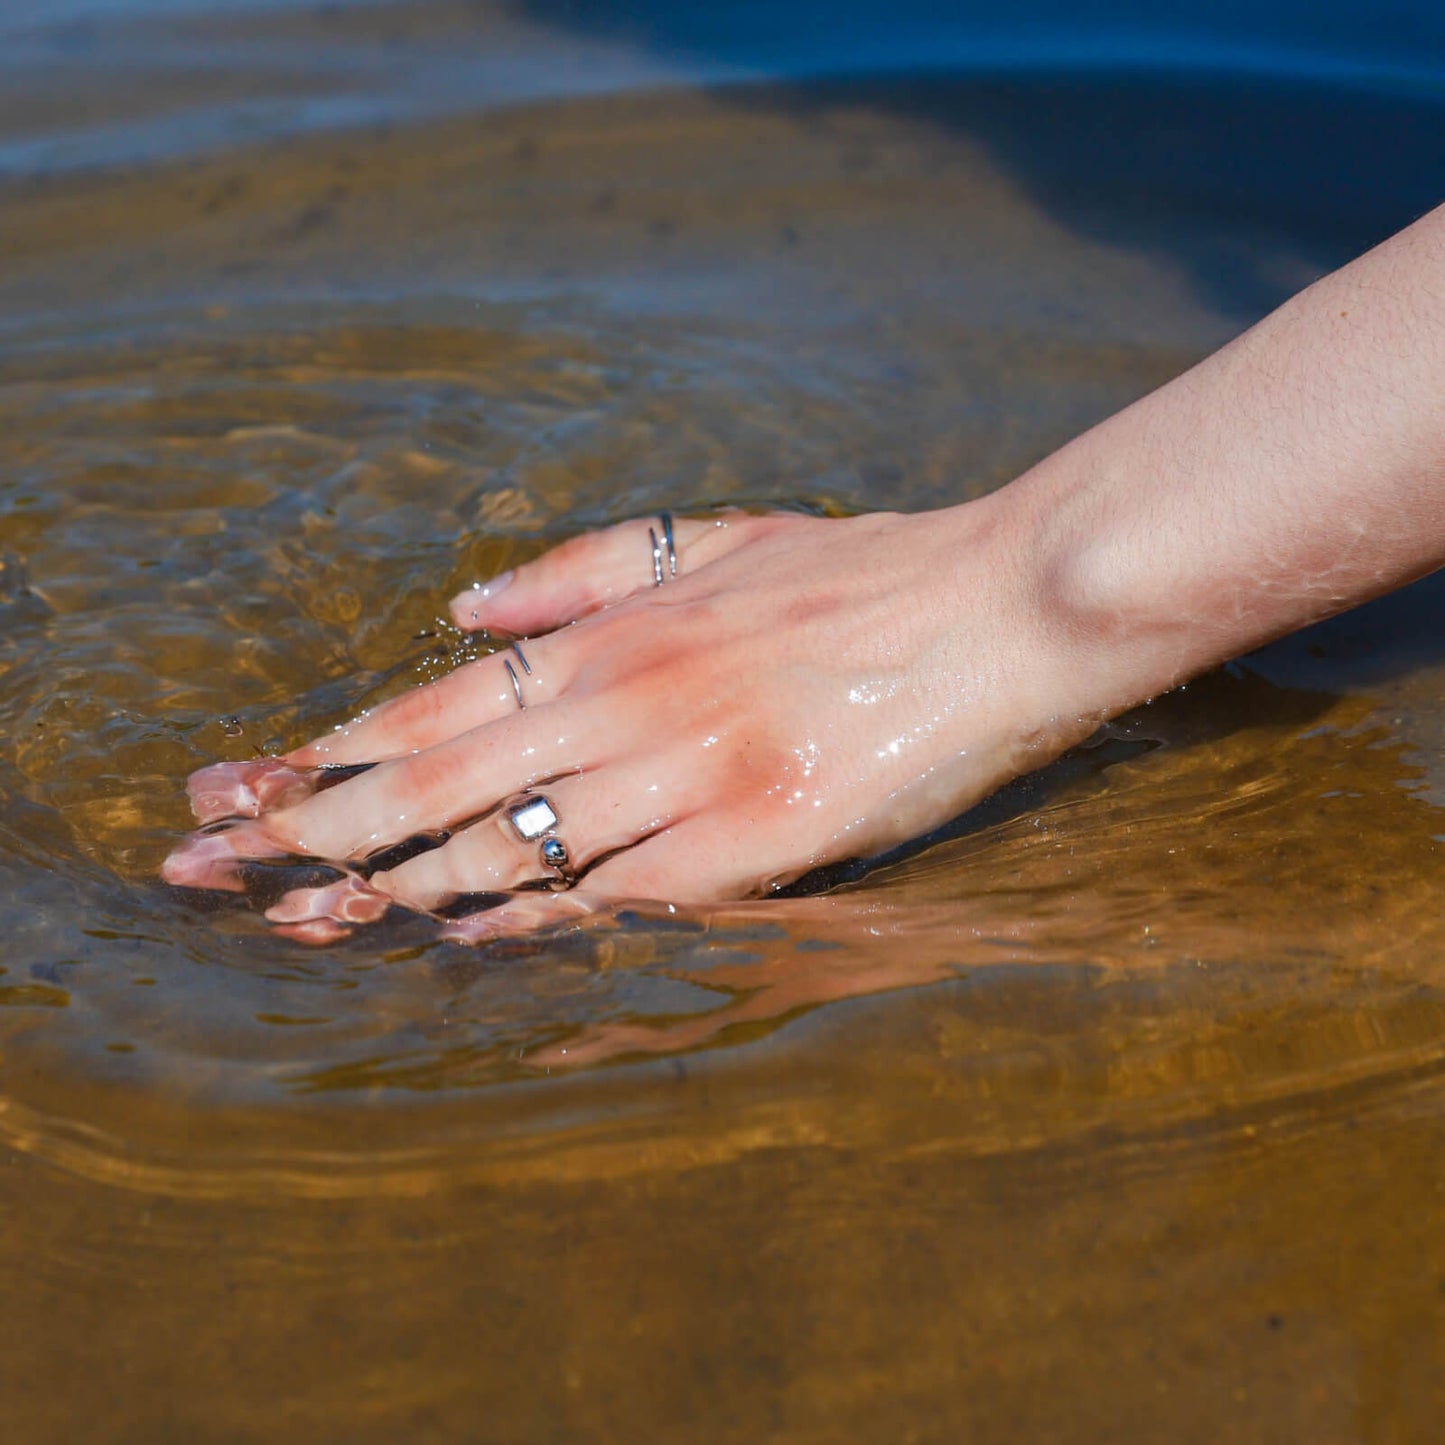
<point>826,717</point>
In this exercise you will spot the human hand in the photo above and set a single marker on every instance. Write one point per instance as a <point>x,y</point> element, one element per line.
<point>803,691</point>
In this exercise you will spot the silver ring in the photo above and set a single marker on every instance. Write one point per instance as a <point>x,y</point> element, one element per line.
<point>534,820</point>
<point>512,674</point>
<point>658,576</point>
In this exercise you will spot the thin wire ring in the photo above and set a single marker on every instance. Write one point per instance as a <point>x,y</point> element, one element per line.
<point>658,577</point>
<point>512,674</point>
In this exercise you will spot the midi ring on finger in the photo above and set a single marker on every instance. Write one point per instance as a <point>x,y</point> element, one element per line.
<point>512,674</point>
<point>534,820</point>
<point>658,575</point>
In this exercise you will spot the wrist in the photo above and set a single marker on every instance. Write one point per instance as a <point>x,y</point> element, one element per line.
<point>1113,601</point>
<point>1036,675</point>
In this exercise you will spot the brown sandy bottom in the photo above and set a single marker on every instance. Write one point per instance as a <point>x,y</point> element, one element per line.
<point>1114,1114</point>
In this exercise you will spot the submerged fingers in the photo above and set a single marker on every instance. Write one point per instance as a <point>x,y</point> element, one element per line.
<point>216,860</point>
<point>380,808</point>
<point>247,789</point>
<point>455,830</point>
<point>493,880</point>
<point>438,788</point>
<point>549,836</point>
<point>347,901</point>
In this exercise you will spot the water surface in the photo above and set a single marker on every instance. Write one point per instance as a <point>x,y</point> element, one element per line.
<point>1119,1104</point>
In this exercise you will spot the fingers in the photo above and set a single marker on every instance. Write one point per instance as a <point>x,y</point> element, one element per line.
<point>523,675</point>
<point>669,866</point>
<point>423,793</point>
<point>592,817</point>
<point>317,931</point>
<point>245,790</point>
<point>650,872</point>
<point>643,858</point>
<point>436,789</point>
<point>674,865</point>
<point>561,586</point>
<point>596,816</point>
<point>593,571</point>
<point>706,857</point>
<point>214,860</point>
<point>348,901</point>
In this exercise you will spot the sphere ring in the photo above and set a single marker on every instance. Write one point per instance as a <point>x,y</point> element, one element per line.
<point>534,819</point>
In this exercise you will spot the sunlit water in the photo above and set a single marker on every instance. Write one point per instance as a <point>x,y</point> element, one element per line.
<point>1119,1103</point>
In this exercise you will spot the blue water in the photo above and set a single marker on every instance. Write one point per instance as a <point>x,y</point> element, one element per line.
<point>259,69</point>
<point>300,308</point>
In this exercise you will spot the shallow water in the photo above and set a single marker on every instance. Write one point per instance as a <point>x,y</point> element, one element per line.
<point>1116,1110</point>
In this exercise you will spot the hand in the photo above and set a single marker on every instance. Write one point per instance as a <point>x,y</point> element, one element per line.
<point>803,691</point>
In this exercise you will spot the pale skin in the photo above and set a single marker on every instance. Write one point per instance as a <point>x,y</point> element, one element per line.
<point>810,690</point>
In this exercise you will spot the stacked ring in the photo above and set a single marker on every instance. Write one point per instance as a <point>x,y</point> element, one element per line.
<point>658,575</point>
<point>512,674</point>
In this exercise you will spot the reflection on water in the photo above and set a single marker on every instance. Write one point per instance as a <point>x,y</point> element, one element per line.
<point>1123,1096</point>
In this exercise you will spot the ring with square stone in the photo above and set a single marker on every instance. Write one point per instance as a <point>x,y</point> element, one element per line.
<point>535,820</point>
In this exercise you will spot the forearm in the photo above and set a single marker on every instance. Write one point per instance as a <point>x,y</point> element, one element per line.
<point>1296,472</point>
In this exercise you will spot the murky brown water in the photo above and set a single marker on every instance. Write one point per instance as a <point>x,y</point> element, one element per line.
<point>1116,1114</point>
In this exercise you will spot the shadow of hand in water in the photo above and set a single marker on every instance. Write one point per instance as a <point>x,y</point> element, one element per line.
<point>836,949</point>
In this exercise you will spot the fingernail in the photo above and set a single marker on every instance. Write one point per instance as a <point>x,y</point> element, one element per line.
<point>467,606</point>
<point>485,591</point>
